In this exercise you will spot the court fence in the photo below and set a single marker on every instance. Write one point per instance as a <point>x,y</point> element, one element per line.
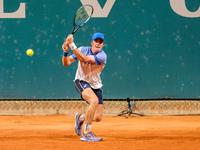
<point>112,107</point>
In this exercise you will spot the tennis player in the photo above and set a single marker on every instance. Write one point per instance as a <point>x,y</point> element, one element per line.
<point>88,83</point>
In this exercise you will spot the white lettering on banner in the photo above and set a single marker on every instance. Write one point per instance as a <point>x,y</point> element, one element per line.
<point>98,11</point>
<point>180,8</point>
<point>20,13</point>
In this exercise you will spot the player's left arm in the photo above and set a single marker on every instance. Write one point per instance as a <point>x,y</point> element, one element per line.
<point>80,56</point>
<point>98,59</point>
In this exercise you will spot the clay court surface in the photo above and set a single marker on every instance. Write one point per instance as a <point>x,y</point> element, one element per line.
<point>56,132</point>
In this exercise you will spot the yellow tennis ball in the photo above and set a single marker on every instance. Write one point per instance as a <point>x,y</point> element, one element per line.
<point>29,52</point>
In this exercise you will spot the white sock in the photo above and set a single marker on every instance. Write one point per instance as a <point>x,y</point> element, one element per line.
<point>82,118</point>
<point>87,128</point>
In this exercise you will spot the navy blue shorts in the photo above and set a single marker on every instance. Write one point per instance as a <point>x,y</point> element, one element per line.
<point>81,85</point>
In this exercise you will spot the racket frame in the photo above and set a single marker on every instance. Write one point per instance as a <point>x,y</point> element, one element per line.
<point>79,26</point>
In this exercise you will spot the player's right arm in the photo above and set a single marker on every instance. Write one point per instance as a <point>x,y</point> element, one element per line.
<point>66,60</point>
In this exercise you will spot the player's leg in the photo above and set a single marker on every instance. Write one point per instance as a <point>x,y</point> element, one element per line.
<point>97,117</point>
<point>93,101</point>
<point>89,95</point>
<point>99,113</point>
<point>99,110</point>
<point>79,118</point>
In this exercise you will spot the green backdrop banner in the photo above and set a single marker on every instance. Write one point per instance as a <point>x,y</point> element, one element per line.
<point>153,48</point>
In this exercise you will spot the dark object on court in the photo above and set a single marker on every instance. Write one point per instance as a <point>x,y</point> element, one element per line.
<point>129,111</point>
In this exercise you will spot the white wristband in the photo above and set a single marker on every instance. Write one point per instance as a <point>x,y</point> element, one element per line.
<point>72,46</point>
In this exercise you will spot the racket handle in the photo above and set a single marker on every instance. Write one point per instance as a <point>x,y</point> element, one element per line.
<point>73,31</point>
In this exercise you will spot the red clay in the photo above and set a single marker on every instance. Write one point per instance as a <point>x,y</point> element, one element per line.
<point>56,132</point>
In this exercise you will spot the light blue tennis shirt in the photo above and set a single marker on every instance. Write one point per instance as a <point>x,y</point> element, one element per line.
<point>91,72</point>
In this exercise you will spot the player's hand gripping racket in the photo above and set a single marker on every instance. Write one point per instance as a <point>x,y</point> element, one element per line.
<point>82,16</point>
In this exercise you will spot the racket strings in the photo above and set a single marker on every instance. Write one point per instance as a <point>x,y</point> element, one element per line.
<point>83,15</point>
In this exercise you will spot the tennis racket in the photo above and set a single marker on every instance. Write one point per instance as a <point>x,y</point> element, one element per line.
<point>82,16</point>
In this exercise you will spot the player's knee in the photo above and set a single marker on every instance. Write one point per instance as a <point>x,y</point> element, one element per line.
<point>94,102</point>
<point>98,118</point>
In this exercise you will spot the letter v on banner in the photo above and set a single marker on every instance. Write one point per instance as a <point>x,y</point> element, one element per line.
<point>20,13</point>
<point>98,11</point>
<point>180,8</point>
